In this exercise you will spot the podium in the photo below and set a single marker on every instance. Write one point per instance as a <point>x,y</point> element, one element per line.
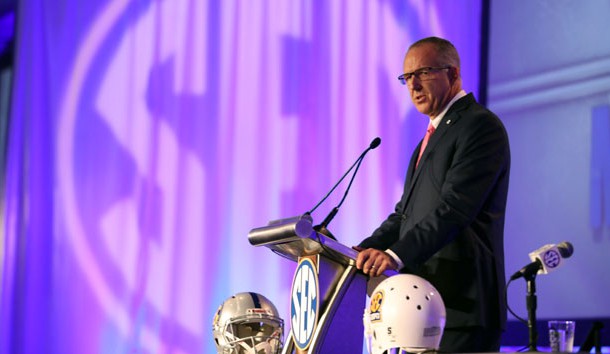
<point>328,294</point>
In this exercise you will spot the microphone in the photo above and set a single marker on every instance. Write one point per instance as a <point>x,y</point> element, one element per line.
<point>322,227</point>
<point>372,145</point>
<point>545,260</point>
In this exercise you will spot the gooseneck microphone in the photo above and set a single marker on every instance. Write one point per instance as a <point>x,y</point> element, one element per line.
<point>545,260</point>
<point>322,226</point>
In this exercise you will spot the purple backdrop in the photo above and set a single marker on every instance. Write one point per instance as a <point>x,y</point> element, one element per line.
<point>148,137</point>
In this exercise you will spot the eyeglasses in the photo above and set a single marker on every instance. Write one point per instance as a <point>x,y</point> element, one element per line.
<point>422,74</point>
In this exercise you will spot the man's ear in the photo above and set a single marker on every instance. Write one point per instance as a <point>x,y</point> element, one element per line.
<point>454,74</point>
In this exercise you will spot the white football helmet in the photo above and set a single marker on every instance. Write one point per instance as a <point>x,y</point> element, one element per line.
<point>248,323</point>
<point>406,314</point>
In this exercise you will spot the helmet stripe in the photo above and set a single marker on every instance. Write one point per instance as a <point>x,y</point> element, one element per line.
<point>256,300</point>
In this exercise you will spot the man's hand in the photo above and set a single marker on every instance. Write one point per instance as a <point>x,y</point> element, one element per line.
<point>374,262</point>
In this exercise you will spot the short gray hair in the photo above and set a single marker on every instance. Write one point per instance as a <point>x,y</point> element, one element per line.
<point>445,49</point>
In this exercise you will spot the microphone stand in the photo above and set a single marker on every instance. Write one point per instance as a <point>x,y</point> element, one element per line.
<point>532,304</point>
<point>323,227</point>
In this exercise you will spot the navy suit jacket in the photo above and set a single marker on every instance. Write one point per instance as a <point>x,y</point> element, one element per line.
<point>449,223</point>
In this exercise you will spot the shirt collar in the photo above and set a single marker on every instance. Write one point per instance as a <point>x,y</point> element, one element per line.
<point>437,120</point>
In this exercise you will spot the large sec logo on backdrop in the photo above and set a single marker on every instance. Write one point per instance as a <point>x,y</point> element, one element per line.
<point>116,201</point>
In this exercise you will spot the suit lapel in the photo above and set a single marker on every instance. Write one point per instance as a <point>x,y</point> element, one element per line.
<point>444,126</point>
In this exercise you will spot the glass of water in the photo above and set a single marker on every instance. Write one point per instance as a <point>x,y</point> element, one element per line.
<point>561,336</point>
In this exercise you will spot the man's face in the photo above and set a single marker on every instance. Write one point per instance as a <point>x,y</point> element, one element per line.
<point>432,93</point>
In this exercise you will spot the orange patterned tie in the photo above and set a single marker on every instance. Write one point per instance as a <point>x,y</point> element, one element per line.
<point>429,132</point>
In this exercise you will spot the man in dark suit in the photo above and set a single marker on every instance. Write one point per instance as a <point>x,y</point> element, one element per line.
<point>448,225</point>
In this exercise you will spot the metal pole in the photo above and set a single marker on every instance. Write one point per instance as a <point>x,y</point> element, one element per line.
<point>531,312</point>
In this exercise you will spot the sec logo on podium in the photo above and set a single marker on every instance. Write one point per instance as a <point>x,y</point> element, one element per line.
<point>304,303</point>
